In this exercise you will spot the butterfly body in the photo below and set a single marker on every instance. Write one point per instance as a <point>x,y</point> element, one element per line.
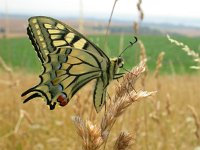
<point>69,62</point>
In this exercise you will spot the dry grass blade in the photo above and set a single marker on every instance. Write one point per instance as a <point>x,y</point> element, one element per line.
<point>109,21</point>
<point>81,20</point>
<point>121,43</point>
<point>5,66</point>
<point>124,141</point>
<point>77,106</point>
<point>168,105</point>
<point>197,121</point>
<point>82,103</point>
<point>23,114</point>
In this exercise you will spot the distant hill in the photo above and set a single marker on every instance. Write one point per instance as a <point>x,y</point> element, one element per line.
<point>174,29</point>
<point>15,25</point>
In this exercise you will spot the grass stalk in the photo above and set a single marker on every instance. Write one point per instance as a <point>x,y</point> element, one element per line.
<point>109,22</point>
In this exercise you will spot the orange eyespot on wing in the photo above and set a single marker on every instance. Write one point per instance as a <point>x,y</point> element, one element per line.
<point>62,100</point>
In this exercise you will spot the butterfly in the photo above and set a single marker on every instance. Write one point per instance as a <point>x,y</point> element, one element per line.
<point>69,62</point>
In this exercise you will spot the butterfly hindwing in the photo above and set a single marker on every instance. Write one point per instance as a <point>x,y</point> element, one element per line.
<point>99,96</point>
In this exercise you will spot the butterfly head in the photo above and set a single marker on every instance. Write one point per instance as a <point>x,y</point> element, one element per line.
<point>117,62</point>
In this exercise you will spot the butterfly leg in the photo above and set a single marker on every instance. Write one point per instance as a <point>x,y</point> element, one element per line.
<point>119,75</point>
<point>99,96</point>
<point>109,96</point>
<point>106,101</point>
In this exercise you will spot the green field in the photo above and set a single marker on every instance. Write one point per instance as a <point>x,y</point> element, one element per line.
<point>169,120</point>
<point>18,52</point>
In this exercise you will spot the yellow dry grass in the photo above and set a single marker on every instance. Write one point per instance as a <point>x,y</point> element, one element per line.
<point>170,119</point>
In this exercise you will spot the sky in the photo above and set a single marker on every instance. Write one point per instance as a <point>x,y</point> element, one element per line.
<point>125,9</point>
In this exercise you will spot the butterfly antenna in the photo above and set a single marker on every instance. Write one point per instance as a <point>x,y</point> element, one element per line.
<point>126,70</point>
<point>130,45</point>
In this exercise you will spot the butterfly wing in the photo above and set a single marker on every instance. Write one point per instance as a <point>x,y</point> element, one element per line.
<point>47,34</point>
<point>68,58</point>
<point>99,96</point>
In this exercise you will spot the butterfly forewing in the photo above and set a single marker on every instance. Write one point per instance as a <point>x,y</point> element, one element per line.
<point>47,34</point>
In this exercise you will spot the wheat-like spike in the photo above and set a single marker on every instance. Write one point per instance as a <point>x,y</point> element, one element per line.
<point>188,50</point>
<point>129,80</point>
<point>143,58</point>
<point>89,132</point>
<point>140,9</point>
<point>159,64</point>
<point>143,55</point>
<point>135,27</point>
<point>124,141</point>
<point>81,128</point>
<point>118,108</point>
<point>141,17</point>
<point>195,67</point>
<point>124,97</point>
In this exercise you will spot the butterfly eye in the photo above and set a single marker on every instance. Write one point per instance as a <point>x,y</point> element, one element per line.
<point>121,65</point>
<point>120,62</point>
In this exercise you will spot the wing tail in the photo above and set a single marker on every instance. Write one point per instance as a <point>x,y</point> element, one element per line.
<point>34,92</point>
<point>31,97</point>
